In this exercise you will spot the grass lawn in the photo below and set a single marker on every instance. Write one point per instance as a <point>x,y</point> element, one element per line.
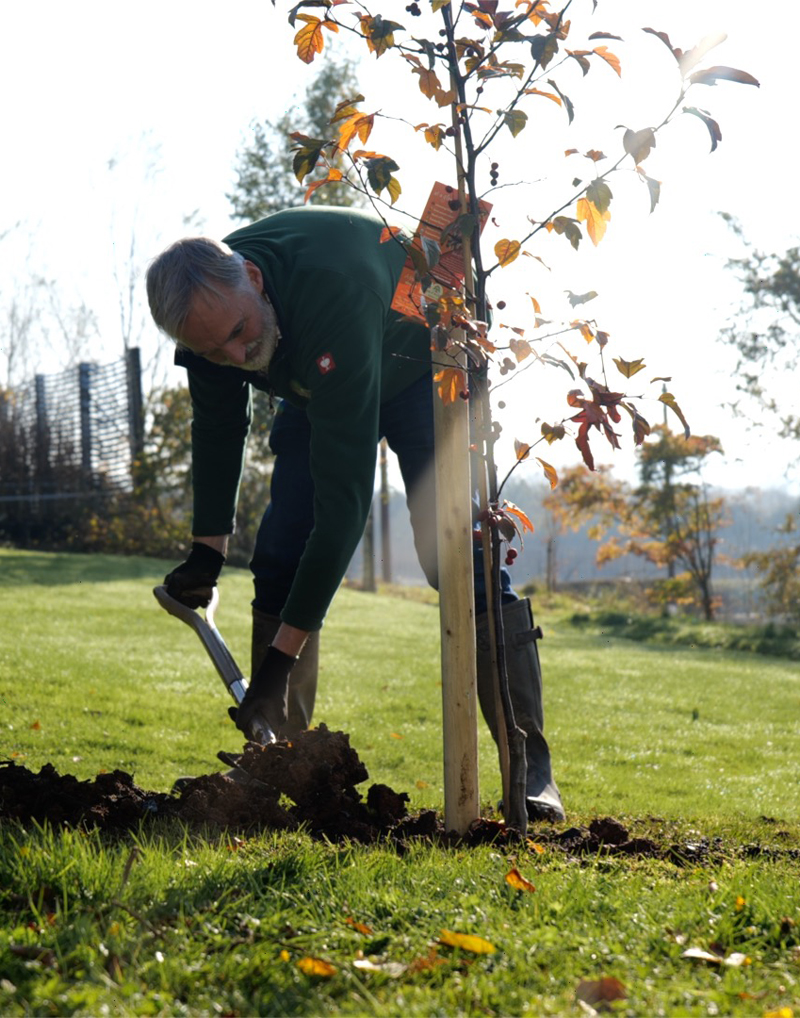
<point>678,744</point>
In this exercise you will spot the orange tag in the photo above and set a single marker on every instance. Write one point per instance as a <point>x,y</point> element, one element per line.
<point>448,273</point>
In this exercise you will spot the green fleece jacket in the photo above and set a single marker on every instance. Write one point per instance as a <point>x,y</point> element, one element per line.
<point>342,353</point>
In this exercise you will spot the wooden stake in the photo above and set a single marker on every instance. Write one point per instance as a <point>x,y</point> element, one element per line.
<point>456,614</point>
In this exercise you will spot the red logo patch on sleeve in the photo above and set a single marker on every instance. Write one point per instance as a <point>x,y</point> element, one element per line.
<point>326,363</point>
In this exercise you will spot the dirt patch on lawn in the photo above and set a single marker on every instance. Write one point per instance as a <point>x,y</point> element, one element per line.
<point>310,784</point>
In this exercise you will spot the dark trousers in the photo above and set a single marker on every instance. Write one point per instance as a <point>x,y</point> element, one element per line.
<point>407,424</point>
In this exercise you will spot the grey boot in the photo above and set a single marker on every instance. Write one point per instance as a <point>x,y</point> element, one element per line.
<point>525,688</point>
<point>303,678</point>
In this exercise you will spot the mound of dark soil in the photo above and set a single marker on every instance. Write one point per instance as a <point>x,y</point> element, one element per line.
<point>308,783</point>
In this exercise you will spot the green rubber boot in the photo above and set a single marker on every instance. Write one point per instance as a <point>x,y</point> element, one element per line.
<point>525,687</point>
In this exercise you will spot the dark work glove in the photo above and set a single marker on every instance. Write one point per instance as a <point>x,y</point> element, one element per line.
<point>265,702</point>
<point>192,581</point>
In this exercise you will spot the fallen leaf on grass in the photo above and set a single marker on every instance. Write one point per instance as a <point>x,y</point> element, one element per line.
<point>782,1012</point>
<point>735,960</point>
<point>430,961</point>
<point>467,942</point>
<point>393,969</point>
<point>600,991</point>
<point>361,927</point>
<point>316,967</point>
<point>518,882</point>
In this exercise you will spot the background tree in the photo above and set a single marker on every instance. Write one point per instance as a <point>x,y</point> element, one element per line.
<point>667,522</point>
<point>266,181</point>
<point>779,572</point>
<point>766,337</point>
<point>766,329</point>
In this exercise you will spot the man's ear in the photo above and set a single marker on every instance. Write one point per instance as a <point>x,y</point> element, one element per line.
<point>254,275</point>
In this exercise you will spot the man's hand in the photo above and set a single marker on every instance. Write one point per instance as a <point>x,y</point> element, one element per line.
<point>192,581</point>
<point>266,698</point>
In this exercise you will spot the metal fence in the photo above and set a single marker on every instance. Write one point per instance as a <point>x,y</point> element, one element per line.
<point>75,434</point>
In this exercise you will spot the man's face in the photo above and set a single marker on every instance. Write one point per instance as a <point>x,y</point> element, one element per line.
<point>236,330</point>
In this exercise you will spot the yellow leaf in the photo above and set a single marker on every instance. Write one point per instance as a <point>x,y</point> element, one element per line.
<point>595,219</point>
<point>316,967</point>
<point>467,942</point>
<point>629,368</point>
<point>394,735</point>
<point>422,784</point>
<point>669,399</point>
<point>522,449</point>
<point>507,251</point>
<point>549,473</point>
<point>518,882</point>
<point>781,1012</point>
<point>534,846</point>
<point>394,189</point>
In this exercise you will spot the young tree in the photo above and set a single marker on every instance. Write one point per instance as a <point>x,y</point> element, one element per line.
<point>460,55</point>
<point>265,180</point>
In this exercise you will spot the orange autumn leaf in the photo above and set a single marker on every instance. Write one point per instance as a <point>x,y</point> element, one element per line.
<point>549,473</point>
<point>316,967</point>
<point>395,735</point>
<point>514,510</point>
<point>390,231</point>
<point>610,58</point>
<point>309,40</point>
<point>451,381</point>
<point>361,927</point>
<point>518,882</point>
<point>595,220</point>
<point>334,176</point>
<point>467,942</point>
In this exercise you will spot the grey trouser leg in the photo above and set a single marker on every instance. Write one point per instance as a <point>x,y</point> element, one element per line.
<point>303,679</point>
<point>525,688</point>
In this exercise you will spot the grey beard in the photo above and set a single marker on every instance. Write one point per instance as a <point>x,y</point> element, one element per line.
<point>261,351</point>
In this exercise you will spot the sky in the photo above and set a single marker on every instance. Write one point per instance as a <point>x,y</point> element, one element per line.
<point>122,121</point>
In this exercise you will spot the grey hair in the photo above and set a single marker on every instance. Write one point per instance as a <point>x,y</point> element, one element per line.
<point>188,267</point>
